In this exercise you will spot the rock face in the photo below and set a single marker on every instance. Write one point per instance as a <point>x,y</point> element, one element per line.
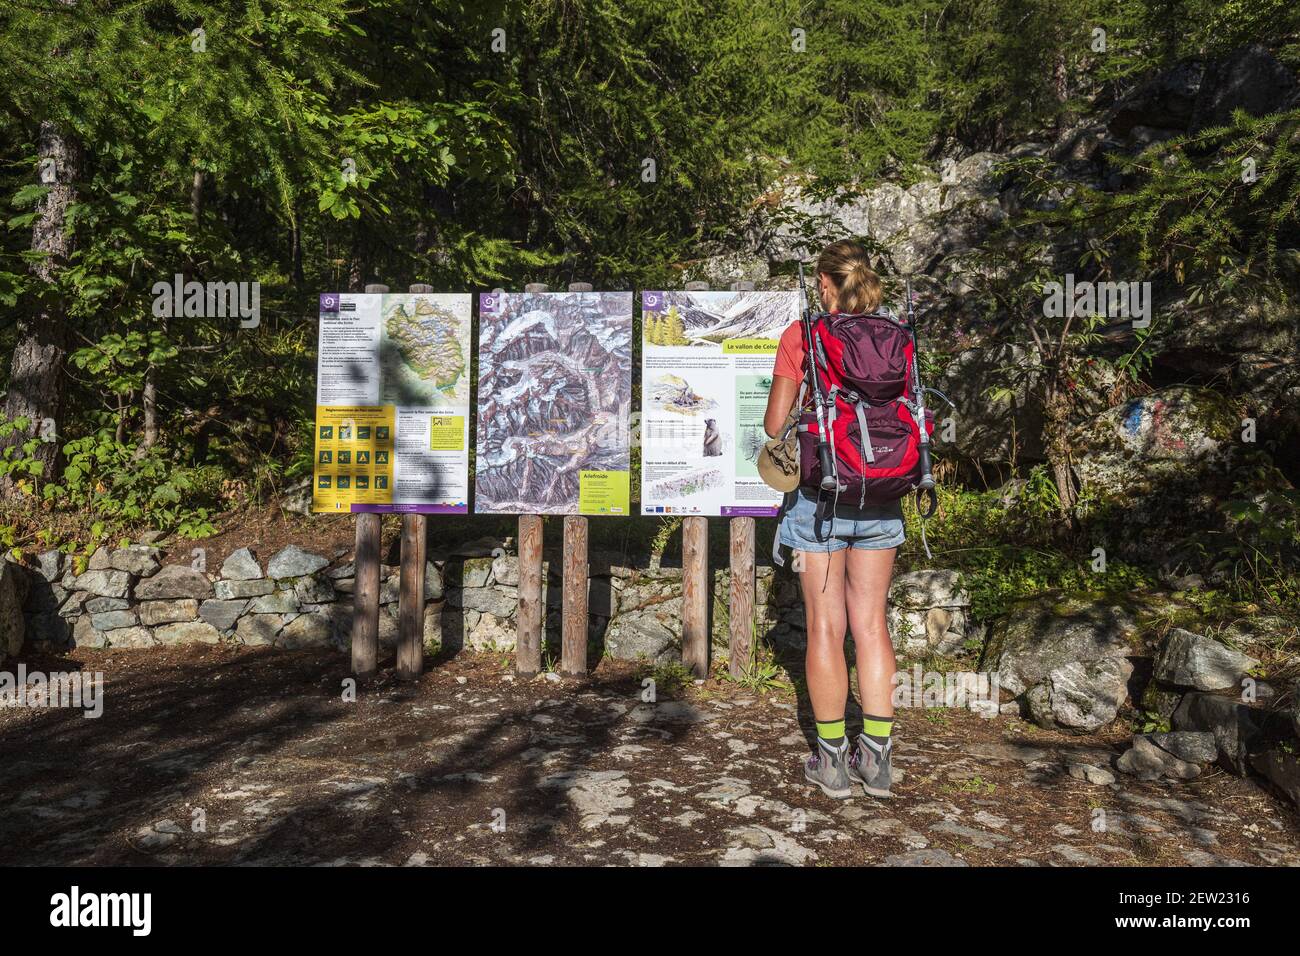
<point>927,222</point>
<point>929,611</point>
<point>1193,660</point>
<point>991,428</point>
<point>1067,657</point>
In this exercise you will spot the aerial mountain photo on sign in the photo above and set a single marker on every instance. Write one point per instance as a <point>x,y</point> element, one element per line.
<point>555,392</point>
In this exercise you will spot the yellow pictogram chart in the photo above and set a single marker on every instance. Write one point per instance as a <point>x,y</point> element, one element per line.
<point>354,453</point>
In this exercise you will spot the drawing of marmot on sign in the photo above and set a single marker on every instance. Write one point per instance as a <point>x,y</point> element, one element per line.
<point>712,438</point>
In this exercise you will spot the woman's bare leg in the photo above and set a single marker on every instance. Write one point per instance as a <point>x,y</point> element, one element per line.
<point>821,577</point>
<point>868,574</point>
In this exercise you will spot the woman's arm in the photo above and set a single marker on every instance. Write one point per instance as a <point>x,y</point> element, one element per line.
<point>779,402</point>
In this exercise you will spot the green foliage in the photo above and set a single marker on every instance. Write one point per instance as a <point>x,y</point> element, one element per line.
<point>1205,209</point>
<point>1007,552</point>
<point>670,678</point>
<point>1261,557</point>
<point>130,489</point>
<point>17,463</point>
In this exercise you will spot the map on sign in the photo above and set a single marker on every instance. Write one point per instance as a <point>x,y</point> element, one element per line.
<point>392,403</point>
<point>422,352</point>
<point>706,363</point>
<point>554,395</point>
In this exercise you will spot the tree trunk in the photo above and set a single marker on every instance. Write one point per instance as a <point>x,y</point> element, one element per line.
<point>36,383</point>
<point>149,391</point>
<point>149,403</point>
<point>356,264</point>
<point>1056,432</point>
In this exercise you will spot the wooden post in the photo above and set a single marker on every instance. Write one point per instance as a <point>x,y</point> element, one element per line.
<point>365,593</point>
<point>695,580</point>
<point>742,577</point>
<point>410,595</point>
<point>577,581</point>
<point>531,611</point>
<point>742,594</point>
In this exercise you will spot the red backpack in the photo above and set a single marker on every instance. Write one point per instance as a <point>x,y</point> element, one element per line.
<point>860,371</point>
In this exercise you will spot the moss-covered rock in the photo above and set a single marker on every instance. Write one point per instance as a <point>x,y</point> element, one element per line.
<point>1145,446</point>
<point>1067,656</point>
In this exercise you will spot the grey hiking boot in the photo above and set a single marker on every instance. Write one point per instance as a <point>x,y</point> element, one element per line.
<point>872,767</point>
<point>829,770</point>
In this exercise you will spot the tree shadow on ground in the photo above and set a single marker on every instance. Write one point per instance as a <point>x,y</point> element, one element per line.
<point>73,786</point>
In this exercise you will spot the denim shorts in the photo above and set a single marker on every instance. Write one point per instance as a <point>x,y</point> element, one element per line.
<point>875,527</point>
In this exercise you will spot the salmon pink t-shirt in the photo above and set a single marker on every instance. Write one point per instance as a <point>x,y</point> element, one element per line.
<point>790,353</point>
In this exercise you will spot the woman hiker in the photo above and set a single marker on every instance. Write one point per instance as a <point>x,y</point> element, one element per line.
<point>844,567</point>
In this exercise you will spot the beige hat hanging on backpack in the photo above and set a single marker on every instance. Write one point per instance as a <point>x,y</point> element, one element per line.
<point>778,461</point>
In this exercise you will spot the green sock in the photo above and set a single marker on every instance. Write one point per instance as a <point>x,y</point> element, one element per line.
<point>877,729</point>
<point>831,733</point>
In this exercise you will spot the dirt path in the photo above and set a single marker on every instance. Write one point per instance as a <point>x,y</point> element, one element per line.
<point>471,765</point>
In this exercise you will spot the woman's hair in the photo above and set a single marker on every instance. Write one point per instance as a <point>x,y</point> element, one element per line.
<point>849,267</point>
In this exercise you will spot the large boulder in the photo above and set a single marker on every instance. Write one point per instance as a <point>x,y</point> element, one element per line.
<point>1193,660</point>
<point>1165,101</point>
<point>1235,725</point>
<point>929,611</point>
<point>1249,79</point>
<point>1066,658</point>
<point>1140,448</point>
<point>1195,95</point>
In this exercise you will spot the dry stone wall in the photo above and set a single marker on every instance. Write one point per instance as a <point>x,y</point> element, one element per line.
<point>295,597</point>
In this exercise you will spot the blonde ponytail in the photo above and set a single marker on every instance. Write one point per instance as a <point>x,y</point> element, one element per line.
<point>856,283</point>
